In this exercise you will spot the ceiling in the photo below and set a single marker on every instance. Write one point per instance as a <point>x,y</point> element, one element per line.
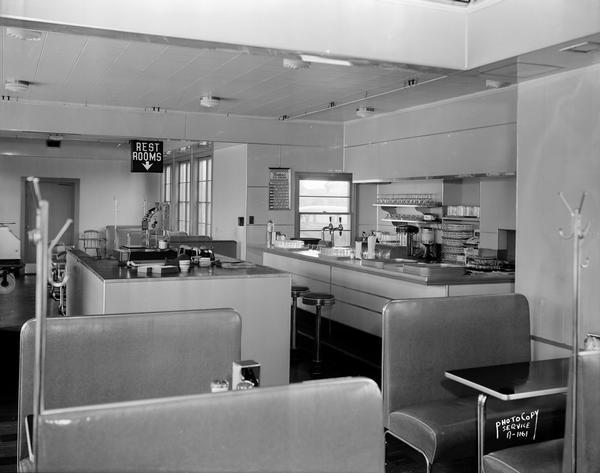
<point>73,68</point>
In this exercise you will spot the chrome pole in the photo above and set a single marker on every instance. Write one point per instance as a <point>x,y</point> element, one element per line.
<point>578,232</point>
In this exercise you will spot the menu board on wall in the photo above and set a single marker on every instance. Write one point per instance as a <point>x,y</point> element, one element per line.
<point>279,188</point>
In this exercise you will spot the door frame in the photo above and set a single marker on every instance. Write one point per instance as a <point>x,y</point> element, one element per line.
<point>54,180</point>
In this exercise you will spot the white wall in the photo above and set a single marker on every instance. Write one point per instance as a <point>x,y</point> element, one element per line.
<point>229,194</point>
<point>297,158</point>
<point>101,180</point>
<point>468,135</point>
<point>559,149</point>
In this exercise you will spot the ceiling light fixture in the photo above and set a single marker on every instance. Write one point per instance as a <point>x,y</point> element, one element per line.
<point>209,101</point>
<point>583,47</point>
<point>290,63</point>
<point>496,84</point>
<point>16,85</point>
<point>23,34</point>
<point>55,137</point>
<point>325,60</point>
<point>364,112</point>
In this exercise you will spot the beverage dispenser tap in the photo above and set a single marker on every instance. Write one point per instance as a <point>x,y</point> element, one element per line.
<point>339,228</point>
<point>330,229</point>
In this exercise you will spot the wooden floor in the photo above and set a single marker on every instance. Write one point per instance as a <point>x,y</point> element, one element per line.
<point>345,352</point>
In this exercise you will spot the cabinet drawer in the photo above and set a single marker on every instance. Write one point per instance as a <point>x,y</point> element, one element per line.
<point>357,317</point>
<point>359,298</point>
<point>384,287</point>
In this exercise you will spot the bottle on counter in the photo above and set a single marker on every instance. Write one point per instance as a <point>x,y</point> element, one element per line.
<point>371,240</point>
<point>270,233</point>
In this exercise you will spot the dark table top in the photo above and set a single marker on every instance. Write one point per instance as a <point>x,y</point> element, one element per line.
<point>516,380</point>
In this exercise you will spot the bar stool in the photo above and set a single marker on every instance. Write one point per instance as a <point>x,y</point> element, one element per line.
<point>318,299</point>
<point>297,291</point>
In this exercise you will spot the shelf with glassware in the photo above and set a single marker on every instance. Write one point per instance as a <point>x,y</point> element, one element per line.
<point>421,203</point>
<point>423,218</point>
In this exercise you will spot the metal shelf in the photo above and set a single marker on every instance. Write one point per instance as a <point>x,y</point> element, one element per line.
<point>414,206</point>
<point>402,220</point>
<point>462,219</point>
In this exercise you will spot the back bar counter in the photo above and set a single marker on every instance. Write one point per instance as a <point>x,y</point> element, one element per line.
<point>362,291</point>
<point>259,294</point>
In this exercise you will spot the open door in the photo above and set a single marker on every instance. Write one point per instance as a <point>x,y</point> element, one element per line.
<point>63,198</point>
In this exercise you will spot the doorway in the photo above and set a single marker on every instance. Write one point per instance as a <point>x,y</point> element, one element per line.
<point>62,195</point>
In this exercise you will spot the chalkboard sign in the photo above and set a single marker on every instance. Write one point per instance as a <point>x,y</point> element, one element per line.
<point>279,189</point>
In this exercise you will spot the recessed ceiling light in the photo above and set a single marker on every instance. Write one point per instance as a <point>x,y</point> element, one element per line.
<point>23,34</point>
<point>325,60</point>
<point>209,101</point>
<point>290,63</point>
<point>16,85</point>
<point>364,112</point>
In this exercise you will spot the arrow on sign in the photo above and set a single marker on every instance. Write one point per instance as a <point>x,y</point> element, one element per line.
<point>147,165</point>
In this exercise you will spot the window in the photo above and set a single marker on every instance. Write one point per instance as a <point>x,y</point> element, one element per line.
<point>183,197</point>
<point>168,182</point>
<point>323,198</point>
<point>204,182</point>
<point>187,185</point>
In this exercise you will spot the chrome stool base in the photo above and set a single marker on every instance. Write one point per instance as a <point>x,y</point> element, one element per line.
<point>297,291</point>
<point>318,299</point>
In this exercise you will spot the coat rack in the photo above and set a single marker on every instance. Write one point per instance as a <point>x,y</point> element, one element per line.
<point>39,237</point>
<point>577,233</point>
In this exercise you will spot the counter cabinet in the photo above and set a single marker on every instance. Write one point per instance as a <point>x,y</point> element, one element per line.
<point>362,292</point>
<point>260,295</point>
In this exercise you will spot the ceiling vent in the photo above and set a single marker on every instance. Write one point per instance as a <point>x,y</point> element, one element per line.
<point>209,101</point>
<point>16,85</point>
<point>364,112</point>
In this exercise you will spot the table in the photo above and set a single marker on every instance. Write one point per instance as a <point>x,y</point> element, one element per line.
<point>511,382</point>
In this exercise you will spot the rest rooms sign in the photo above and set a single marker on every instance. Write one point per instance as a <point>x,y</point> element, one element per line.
<point>146,156</point>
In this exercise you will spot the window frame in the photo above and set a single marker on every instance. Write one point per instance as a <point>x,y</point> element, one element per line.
<point>324,176</point>
<point>192,154</point>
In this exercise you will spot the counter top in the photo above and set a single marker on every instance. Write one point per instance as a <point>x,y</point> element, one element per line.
<point>393,269</point>
<point>109,270</point>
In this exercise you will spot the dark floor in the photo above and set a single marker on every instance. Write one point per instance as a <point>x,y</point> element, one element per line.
<point>345,352</point>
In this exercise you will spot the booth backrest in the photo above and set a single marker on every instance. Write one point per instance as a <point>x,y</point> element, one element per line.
<point>322,426</point>
<point>588,415</point>
<point>123,357</point>
<point>423,338</point>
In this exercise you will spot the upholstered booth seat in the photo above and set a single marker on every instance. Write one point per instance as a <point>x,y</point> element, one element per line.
<point>327,426</point>
<point>123,357</point>
<point>544,457</point>
<point>423,338</point>
<point>555,456</point>
<point>448,428</point>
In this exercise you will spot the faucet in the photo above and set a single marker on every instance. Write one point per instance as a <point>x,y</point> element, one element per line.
<point>330,229</point>
<point>340,228</point>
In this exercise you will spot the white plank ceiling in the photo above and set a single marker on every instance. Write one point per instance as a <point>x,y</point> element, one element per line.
<point>99,71</point>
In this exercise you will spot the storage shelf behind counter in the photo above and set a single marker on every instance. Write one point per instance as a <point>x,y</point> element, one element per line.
<point>362,291</point>
<point>259,294</point>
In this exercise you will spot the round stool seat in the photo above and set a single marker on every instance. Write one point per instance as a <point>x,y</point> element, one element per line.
<point>299,290</point>
<point>318,298</point>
